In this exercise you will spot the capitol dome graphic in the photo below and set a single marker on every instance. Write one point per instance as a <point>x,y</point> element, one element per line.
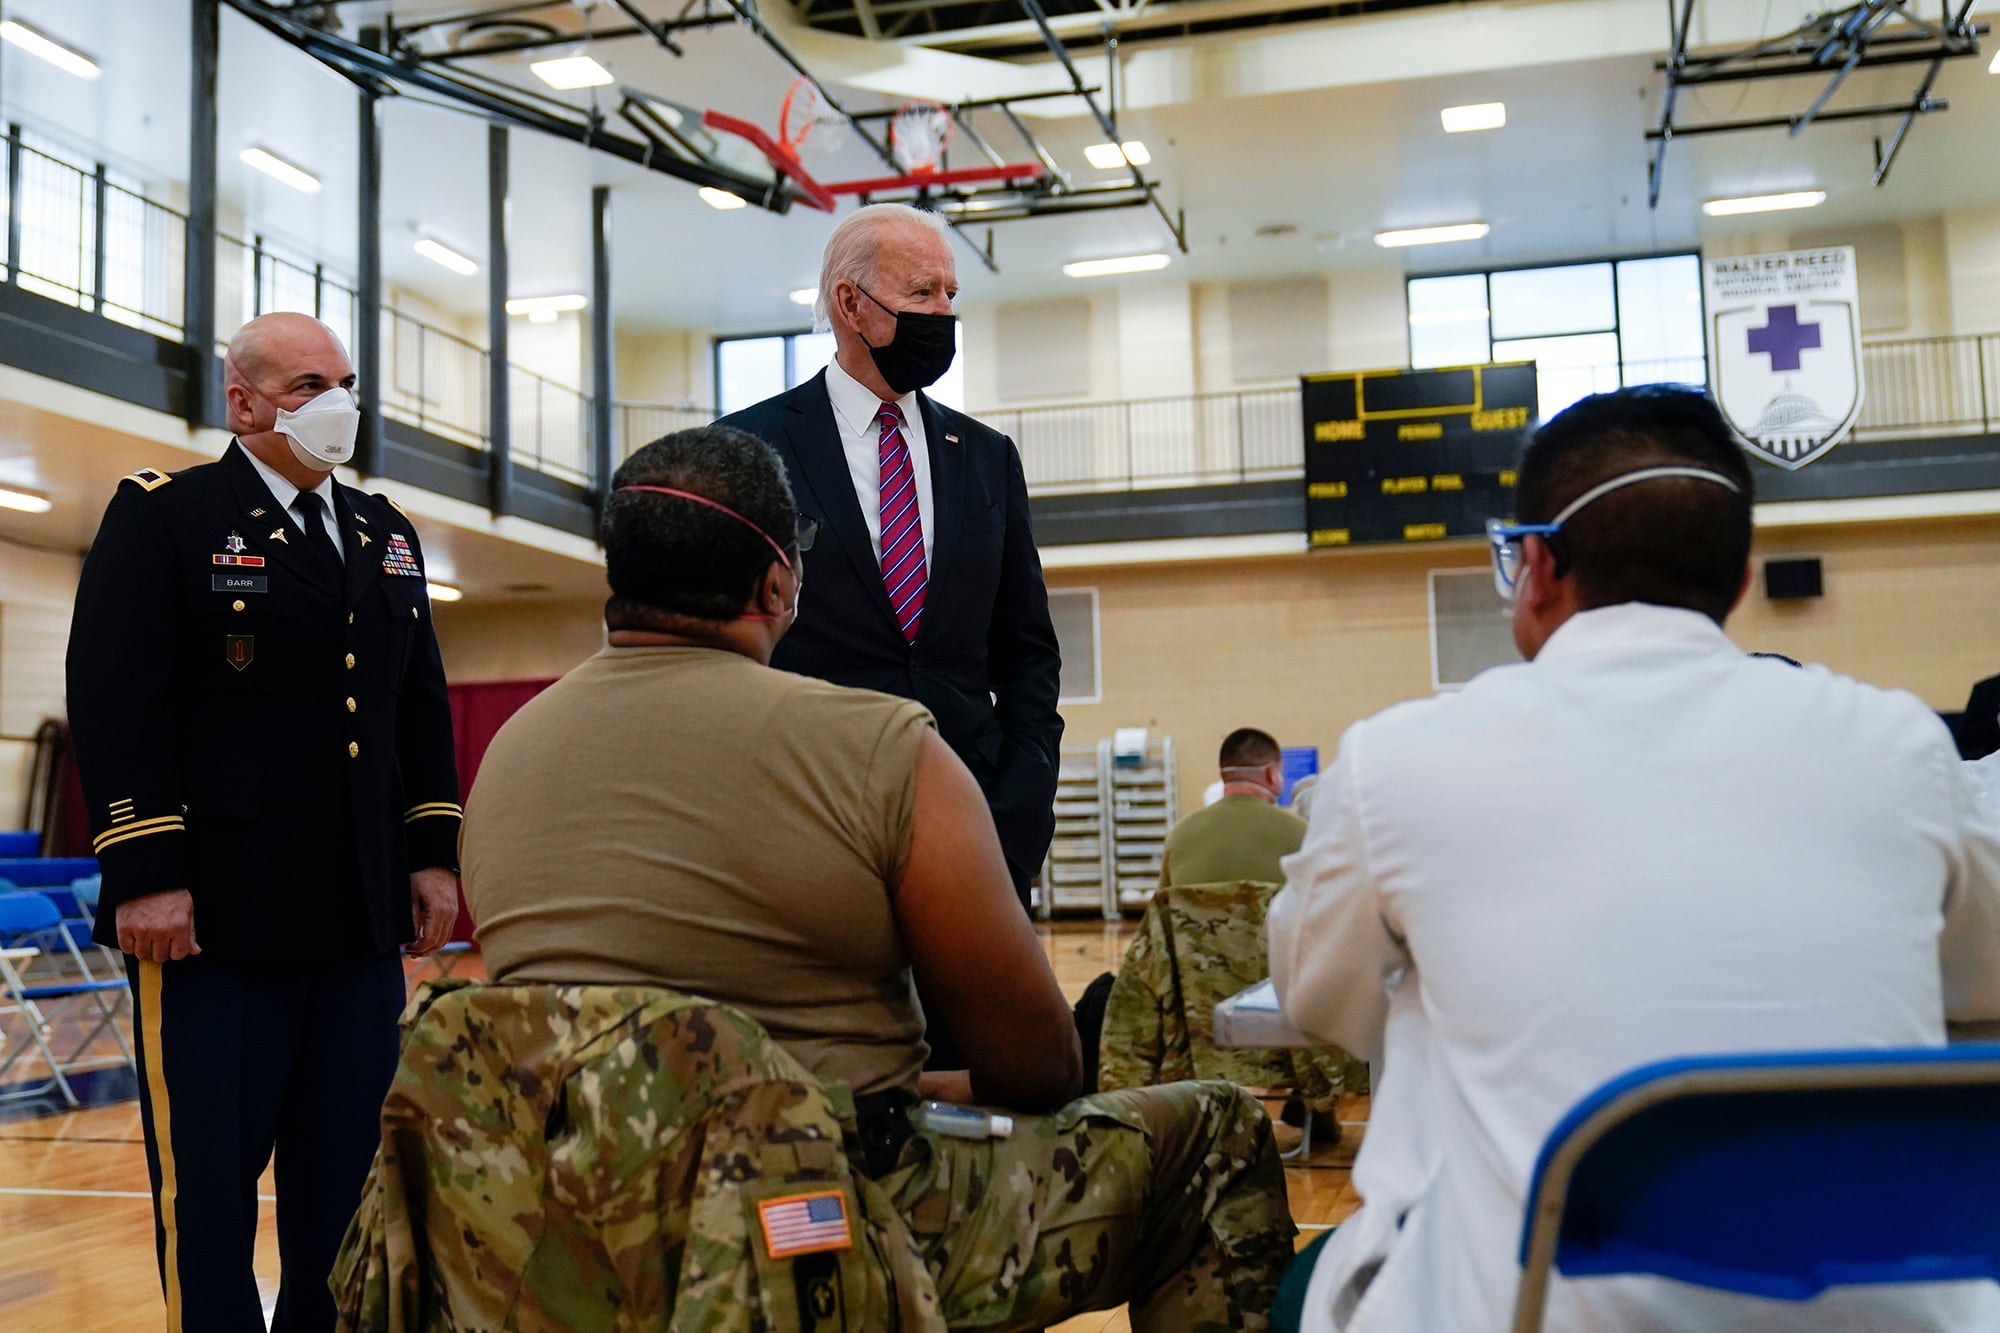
<point>1793,425</point>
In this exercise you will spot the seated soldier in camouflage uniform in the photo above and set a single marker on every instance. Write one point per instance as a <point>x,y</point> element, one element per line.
<point>675,813</point>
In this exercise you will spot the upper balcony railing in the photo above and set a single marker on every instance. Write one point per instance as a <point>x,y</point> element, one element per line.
<point>90,239</point>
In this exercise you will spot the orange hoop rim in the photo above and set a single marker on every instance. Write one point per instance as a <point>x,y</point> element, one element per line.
<point>795,137</point>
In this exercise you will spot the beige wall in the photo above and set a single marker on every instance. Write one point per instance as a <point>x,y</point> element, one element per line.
<point>525,640</point>
<point>36,591</point>
<point>1303,646</point>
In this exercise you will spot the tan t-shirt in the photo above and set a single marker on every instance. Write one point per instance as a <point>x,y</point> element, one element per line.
<point>684,817</point>
<point>1239,837</point>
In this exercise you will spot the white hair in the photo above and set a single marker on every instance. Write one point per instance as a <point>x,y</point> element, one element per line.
<point>851,251</point>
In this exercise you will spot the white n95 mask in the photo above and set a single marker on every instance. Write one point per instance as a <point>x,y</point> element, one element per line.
<point>322,432</point>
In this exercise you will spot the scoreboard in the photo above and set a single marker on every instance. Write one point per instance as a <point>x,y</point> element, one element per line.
<point>1413,455</point>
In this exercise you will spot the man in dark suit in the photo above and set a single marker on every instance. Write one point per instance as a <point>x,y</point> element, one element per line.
<point>926,583</point>
<point>265,744</point>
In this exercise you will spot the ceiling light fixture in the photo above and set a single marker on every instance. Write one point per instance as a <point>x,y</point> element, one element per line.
<point>1111,156</point>
<point>49,49</point>
<point>442,592</point>
<point>26,502</point>
<point>1457,231</point>
<point>439,253</point>
<point>1764,203</point>
<point>1104,268</point>
<point>804,295</point>
<point>1477,116</point>
<point>721,199</point>
<point>1465,316</point>
<point>568,73</point>
<point>280,170</point>
<point>544,309</point>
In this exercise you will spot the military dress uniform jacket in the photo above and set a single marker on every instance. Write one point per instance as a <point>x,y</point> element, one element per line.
<point>256,724</point>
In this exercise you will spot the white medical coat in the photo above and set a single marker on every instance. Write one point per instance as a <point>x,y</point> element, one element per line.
<point>1642,845</point>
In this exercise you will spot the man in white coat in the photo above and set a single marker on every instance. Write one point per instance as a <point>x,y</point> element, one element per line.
<point>1639,844</point>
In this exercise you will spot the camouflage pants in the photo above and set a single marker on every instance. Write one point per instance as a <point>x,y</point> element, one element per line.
<point>1171,1198</point>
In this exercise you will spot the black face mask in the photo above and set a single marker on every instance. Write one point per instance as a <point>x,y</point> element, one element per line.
<point>920,353</point>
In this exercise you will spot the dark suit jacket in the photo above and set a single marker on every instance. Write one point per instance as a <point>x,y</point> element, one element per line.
<point>259,726</point>
<point>1977,730</point>
<point>985,661</point>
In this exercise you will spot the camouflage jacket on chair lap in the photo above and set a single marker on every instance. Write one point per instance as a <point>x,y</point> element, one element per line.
<point>1198,945</point>
<point>594,1157</point>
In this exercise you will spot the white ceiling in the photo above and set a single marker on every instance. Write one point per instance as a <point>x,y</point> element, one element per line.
<point>1566,177</point>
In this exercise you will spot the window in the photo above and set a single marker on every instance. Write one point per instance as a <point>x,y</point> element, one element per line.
<point>1073,613</point>
<point>749,370</point>
<point>1587,327</point>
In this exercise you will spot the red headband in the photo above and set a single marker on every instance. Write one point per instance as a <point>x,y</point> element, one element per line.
<point>704,500</point>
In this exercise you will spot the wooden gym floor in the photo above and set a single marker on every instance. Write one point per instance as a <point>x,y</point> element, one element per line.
<point>78,1222</point>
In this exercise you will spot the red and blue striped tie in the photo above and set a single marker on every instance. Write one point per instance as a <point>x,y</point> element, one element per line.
<point>903,571</point>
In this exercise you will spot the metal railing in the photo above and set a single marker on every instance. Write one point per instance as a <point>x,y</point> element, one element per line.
<point>1930,386</point>
<point>76,236</point>
<point>635,425</point>
<point>551,426</point>
<point>253,278</point>
<point>435,381</point>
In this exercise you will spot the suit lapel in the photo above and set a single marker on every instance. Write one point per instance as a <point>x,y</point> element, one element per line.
<point>813,437</point>
<point>273,531</point>
<point>361,562</point>
<point>947,492</point>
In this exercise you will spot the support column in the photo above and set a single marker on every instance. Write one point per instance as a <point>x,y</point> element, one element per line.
<point>368,273</point>
<point>603,350</point>
<point>499,412</point>
<point>205,404</point>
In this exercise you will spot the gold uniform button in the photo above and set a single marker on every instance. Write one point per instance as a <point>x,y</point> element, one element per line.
<point>350,617</point>
<point>413,613</point>
<point>350,703</point>
<point>236,606</point>
<point>350,661</point>
<point>354,749</point>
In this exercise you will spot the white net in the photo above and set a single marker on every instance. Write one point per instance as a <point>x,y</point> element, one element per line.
<point>918,134</point>
<point>803,112</point>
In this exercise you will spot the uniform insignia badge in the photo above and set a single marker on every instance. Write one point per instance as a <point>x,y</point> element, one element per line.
<point>363,536</point>
<point>953,439</point>
<point>257,512</point>
<point>805,1224</point>
<point>279,536</point>
<point>247,561</point>
<point>235,544</point>
<point>239,650</point>
<point>400,559</point>
<point>148,479</point>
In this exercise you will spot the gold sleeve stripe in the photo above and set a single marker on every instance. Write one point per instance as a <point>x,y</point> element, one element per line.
<point>435,810</point>
<point>154,1061</point>
<point>145,828</point>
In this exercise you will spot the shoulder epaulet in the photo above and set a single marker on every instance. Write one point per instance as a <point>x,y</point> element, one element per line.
<point>393,505</point>
<point>146,479</point>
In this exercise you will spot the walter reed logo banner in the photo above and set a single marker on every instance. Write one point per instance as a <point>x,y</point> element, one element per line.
<point>1784,346</point>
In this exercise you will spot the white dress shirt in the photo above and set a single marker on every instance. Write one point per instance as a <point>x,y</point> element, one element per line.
<point>286,494</point>
<point>855,412</point>
<point>1644,844</point>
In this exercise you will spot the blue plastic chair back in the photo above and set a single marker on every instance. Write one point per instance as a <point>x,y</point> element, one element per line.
<point>24,912</point>
<point>17,843</point>
<point>86,891</point>
<point>1776,1175</point>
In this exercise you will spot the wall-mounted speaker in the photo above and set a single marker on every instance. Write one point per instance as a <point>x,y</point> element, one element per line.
<point>1789,580</point>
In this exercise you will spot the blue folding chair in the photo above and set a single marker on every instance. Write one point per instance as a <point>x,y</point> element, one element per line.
<point>1737,1173</point>
<point>38,986</point>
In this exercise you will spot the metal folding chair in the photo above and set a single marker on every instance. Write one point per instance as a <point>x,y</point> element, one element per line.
<point>1737,1173</point>
<point>42,975</point>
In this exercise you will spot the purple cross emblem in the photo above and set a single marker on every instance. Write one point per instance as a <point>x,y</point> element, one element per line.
<point>1783,337</point>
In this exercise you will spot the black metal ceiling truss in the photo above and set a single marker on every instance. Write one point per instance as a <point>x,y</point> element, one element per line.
<point>410,56</point>
<point>1832,45</point>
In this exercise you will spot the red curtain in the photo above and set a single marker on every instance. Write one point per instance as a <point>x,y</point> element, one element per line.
<point>478,711</point>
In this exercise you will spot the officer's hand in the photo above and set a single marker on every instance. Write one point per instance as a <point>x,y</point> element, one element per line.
<point>946,1085</point>
<point>434,905</point>
<point>159,927</point>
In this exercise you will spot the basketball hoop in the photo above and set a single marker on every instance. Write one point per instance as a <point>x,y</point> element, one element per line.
<point>802,111</point>
<point>918,134</point>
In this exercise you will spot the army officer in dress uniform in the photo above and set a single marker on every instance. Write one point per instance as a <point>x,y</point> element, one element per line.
<point>265,744</point>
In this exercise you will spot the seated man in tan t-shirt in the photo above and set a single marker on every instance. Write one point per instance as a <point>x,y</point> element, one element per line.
<point>674,812</point>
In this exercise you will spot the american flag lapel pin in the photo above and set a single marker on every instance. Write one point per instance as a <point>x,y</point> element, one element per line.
<point>951,439</point>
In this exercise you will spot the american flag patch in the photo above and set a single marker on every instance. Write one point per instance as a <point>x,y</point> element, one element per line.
<point>805,1224</point>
